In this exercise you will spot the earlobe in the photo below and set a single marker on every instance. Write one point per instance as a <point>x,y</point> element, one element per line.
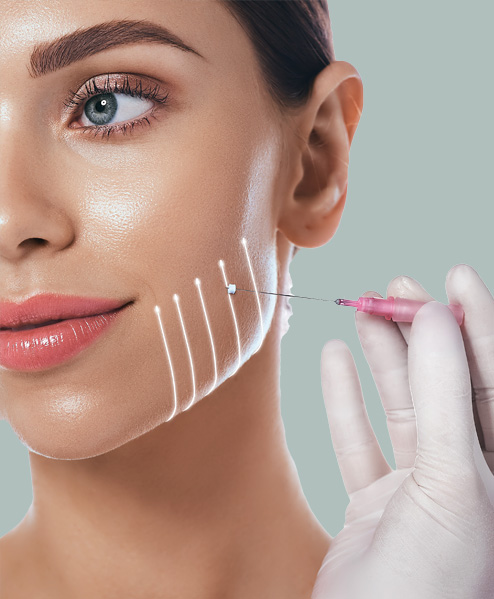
<point>323,132</point>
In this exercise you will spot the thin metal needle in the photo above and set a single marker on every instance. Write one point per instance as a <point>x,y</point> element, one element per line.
<point>287,295</point>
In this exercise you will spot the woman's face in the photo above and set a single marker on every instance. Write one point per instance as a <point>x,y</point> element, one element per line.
<point>136,214</point>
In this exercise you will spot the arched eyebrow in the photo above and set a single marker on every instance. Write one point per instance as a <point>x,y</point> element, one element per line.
<point>47,57</point>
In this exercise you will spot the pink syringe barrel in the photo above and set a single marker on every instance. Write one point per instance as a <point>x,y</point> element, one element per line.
<point>399,309</point>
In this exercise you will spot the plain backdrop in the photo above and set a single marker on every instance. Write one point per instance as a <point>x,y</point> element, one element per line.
<point>419,202</point>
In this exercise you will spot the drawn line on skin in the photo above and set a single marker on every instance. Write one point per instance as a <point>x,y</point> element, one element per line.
<point>244,243</point>
<point>175,297</point>
<point>198,285</point>
<point>158,314</point>
<point>222,266</point>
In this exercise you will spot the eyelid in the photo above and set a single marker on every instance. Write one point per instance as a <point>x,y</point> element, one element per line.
<point>105,81</point>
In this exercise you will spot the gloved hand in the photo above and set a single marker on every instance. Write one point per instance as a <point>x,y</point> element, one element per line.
<point>426,529</point>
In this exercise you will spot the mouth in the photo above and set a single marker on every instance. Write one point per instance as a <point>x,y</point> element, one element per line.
<point>46,323</point>
<point>22,348</point>
<point>31,326</point>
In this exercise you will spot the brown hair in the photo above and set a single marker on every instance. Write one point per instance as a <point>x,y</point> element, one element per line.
<point>292,40</point>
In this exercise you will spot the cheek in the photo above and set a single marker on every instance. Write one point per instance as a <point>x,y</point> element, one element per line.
<point>214,230</point>
<point>173,241</point>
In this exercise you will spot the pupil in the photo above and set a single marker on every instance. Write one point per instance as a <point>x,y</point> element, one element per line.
<point>101,108</point>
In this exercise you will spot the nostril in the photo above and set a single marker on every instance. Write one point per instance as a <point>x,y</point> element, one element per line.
<point>34,241</point>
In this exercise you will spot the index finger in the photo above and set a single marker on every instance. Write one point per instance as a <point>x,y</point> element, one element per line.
<point>465,287</point>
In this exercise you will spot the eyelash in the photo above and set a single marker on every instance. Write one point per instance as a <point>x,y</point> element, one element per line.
<point>134,89</point>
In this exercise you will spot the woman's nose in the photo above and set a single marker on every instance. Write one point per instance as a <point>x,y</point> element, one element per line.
<point>32,213</point>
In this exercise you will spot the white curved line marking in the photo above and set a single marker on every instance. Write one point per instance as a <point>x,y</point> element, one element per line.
<point>175,297</point>
<point>198,285</point>
<point>158,314</point>
<point>222,266</point>
<point>244,243</point>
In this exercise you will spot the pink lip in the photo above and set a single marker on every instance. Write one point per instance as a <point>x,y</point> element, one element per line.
<point>49,306</point>
<point>84,320</point>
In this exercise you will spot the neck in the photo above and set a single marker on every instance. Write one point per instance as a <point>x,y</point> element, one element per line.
<point>206,505</point>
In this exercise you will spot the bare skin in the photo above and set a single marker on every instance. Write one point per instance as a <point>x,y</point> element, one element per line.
<point>128,501</point>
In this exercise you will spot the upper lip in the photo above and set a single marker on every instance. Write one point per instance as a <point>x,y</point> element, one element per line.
<point>48,306</point>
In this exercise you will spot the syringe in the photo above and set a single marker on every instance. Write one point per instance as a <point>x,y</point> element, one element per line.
<point>398,309</point>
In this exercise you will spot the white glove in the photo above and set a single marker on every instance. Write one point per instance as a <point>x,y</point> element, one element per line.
<point>426,529</point>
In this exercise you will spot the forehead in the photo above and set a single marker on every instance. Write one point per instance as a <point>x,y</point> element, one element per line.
<point>205,25</point>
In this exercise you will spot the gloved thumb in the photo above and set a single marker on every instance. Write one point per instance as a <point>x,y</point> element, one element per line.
<point>441,391</point>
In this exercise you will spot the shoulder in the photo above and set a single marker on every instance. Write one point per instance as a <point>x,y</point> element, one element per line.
<point>6,565</point>
<point>12,576</point>
<point>20,575</point>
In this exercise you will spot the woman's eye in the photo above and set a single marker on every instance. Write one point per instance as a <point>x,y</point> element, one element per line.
<point>115,104</point>
<point>105,109</point>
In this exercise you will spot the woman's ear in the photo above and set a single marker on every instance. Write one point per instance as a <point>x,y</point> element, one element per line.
<point>322,132</point>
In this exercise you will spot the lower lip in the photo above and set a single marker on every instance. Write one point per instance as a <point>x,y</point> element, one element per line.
<point>44,347</point>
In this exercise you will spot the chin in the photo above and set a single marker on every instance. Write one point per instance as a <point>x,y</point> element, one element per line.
<point>86,436</point>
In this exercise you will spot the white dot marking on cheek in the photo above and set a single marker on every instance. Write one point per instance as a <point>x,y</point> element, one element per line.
<point>244,243</point>
<point>198,285</point>
<point>158,314</point>
<point>175,297</point>
<point>222,266</point>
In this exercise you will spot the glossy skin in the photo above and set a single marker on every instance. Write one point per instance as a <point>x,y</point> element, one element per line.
<point>127,499</point>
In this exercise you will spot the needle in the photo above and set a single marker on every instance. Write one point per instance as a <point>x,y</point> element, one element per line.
<point>286,295</point>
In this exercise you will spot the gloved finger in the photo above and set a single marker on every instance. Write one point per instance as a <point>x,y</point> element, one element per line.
<point>357,450</point>
<point>409,288</point>
<point>465,287</point>
<point>387,355</point>
<point>406,287</point>
<point>441,392</point>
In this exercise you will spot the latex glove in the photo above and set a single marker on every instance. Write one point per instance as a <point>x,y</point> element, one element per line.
<point>425,529</point>
<point>465,287</point>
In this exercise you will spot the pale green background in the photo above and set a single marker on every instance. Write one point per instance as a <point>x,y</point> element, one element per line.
<point>419,202</point>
